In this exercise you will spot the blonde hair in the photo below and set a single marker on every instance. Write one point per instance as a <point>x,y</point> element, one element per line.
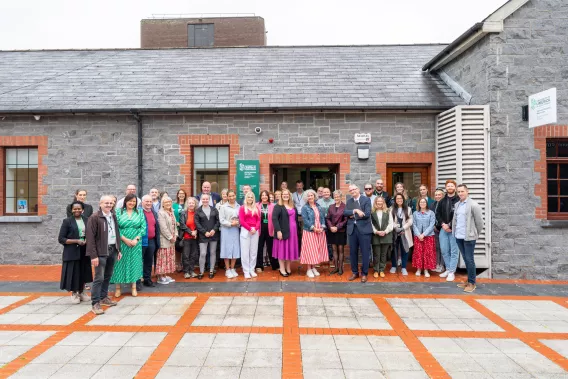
<point>195,202</point>
<point>384,208</point>
<point>254,209</point>
<point>290,201</point>
<point>165,199</point>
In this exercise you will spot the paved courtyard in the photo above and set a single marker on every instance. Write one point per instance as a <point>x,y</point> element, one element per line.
<point>286,335</point>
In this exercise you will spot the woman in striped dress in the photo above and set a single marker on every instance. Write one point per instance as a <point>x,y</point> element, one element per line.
<point>314,243</point>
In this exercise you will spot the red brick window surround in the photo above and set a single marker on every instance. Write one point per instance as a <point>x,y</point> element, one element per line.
<point>427,158</point>
<point>342,159</point>
<point>544,139</point>
<point>187,142</point>
<point>39,142</point>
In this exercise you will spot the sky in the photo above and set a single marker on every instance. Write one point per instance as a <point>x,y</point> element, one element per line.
<point>93,24</point>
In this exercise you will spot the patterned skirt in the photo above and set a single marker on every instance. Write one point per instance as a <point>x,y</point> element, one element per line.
<point>314,248</point>
<point>166,261</point>
<point>424,257</point>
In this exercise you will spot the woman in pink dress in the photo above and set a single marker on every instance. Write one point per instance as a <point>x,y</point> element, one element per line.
<point>285,221</point>
<point>314,243</point>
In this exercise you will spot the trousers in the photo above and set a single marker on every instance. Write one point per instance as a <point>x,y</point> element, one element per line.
<point>359,240</point>
<point>249,248</point>
<point>103,273</point>
<point>203,246</point>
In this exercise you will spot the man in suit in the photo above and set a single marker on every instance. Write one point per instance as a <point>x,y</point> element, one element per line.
<point>214,197</point>
<point>359,230</point>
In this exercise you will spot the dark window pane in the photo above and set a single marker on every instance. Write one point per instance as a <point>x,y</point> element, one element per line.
<point>552,187</point>
<point>552,204</point>
<point>564,187</point>
<point>552,171</point>
<point>550,149</point>
<point>562,148</point>
<point>564,204</point>
<point>564,171</point>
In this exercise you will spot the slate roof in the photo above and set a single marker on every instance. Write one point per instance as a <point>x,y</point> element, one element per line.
<point>222,79</point>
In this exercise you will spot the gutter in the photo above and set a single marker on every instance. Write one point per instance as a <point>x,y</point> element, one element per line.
<point>494,23</point>
<point>138,119</point>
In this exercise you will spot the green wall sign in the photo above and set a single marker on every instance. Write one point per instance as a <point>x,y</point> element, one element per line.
<point>248,172</point>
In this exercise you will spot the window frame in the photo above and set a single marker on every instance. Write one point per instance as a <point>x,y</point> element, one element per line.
<point>555,160</point>
<point>5,181</point>
<point>196,188</point>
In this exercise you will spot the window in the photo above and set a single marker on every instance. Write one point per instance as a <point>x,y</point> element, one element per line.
<point>199,35</point>
<point>21,189</point>
<point>557,178</point>
<point>211,164</point>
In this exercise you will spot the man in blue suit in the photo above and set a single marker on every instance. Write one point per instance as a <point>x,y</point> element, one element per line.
<point>359,230</point>
<point>214,197</point>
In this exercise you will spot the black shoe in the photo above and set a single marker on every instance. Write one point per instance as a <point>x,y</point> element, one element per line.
<point>138,286</point>
<point>200,276</point>
<point>149,283</point>
<point>284,275</point>
<point>211,275</point>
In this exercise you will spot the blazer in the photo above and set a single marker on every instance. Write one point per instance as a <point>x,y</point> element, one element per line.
<point>168,229</point>
<point>335,217</point>
<point>70,231</point>
<point>473,220</point>
<point>205,224</point>
<point>145,236</point>
<point>214,196</point>
<point>270,224</point>
<point>363,223</point>
<point>87,210</point>
<point>385,225</point>
<point>309,217</point>
<point>281,221</point>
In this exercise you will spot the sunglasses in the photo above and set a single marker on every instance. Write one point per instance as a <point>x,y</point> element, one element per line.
<point>368,189</point>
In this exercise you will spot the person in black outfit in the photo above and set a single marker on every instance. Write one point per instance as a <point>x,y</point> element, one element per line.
<point>207,223</point>
<point>76,268</point>
<point>80,195</point>
<point>265,208</point>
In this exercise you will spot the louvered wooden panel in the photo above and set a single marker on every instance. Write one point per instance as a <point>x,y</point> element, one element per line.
<point>462,153</point>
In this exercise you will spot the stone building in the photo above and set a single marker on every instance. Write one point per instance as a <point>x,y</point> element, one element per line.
<point>93,118</point>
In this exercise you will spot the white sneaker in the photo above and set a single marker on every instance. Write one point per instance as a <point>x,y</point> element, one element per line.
<point>235,274</point>
<point>444,274</point>
<point>315,272</point>
<point>229,274</point>
<point>170,280</point>
<point>84,297</point>
<point>393,270</point>
<point>310,274</point>
<point>75,299</point>
<point>404,272</point>
<point>163,281</point>
<point>253,274</point>
<point>247,275</point>
<point>426,273</point>
<point>450,277</point>
<point>417,272</point>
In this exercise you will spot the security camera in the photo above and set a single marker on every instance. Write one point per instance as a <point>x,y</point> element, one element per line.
<point>258,130</point>
<point>37,117</point>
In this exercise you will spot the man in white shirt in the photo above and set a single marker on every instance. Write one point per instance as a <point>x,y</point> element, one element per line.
<point>298,196</point>
<point>130,189</point>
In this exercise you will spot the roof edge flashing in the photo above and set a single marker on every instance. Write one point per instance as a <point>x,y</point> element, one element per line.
<point>494,23</point>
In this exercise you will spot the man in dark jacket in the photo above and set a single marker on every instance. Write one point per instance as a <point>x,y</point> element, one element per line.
<point>359,229</point>
<point>379,191</point>
<point>150,241</point>
<point>103,247</point>
<point>448,244</point>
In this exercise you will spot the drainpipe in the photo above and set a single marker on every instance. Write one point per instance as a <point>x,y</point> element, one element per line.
<point>138,119</point>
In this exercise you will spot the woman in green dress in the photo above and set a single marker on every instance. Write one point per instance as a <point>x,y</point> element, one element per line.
<point>132,224</point>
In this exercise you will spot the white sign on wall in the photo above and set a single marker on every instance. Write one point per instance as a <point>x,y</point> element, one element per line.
<point>362,137</point>
<point>542,108</point>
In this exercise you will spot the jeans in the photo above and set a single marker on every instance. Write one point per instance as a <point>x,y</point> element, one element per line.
<point>190,255</point>
<point>449,249</point>
<point>398,246</point>
<point>103,273</point>
<point>148,259</point>
<point>467,251</point>
<point>359,240</point>
<point>212,245</point>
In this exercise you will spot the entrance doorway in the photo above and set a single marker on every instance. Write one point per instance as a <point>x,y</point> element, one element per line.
<point>411,175</point>
<point>313,176</point>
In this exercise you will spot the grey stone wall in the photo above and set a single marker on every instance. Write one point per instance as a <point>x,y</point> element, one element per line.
<point>99,153</point>
<point>502,70</point>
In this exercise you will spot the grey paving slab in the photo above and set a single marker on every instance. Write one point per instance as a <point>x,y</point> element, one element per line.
<point>323,287</point>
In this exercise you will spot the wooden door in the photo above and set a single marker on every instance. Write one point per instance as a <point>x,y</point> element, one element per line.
<point>411,175</point>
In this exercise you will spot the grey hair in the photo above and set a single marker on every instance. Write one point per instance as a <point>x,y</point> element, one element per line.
<point>305,195</point>
<point>337,192</point>
<point>146,197</point>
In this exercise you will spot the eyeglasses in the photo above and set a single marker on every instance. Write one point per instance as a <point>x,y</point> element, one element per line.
<point>368,189</point>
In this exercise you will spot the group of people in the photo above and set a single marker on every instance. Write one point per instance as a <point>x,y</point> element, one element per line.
<point>128,237</point>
